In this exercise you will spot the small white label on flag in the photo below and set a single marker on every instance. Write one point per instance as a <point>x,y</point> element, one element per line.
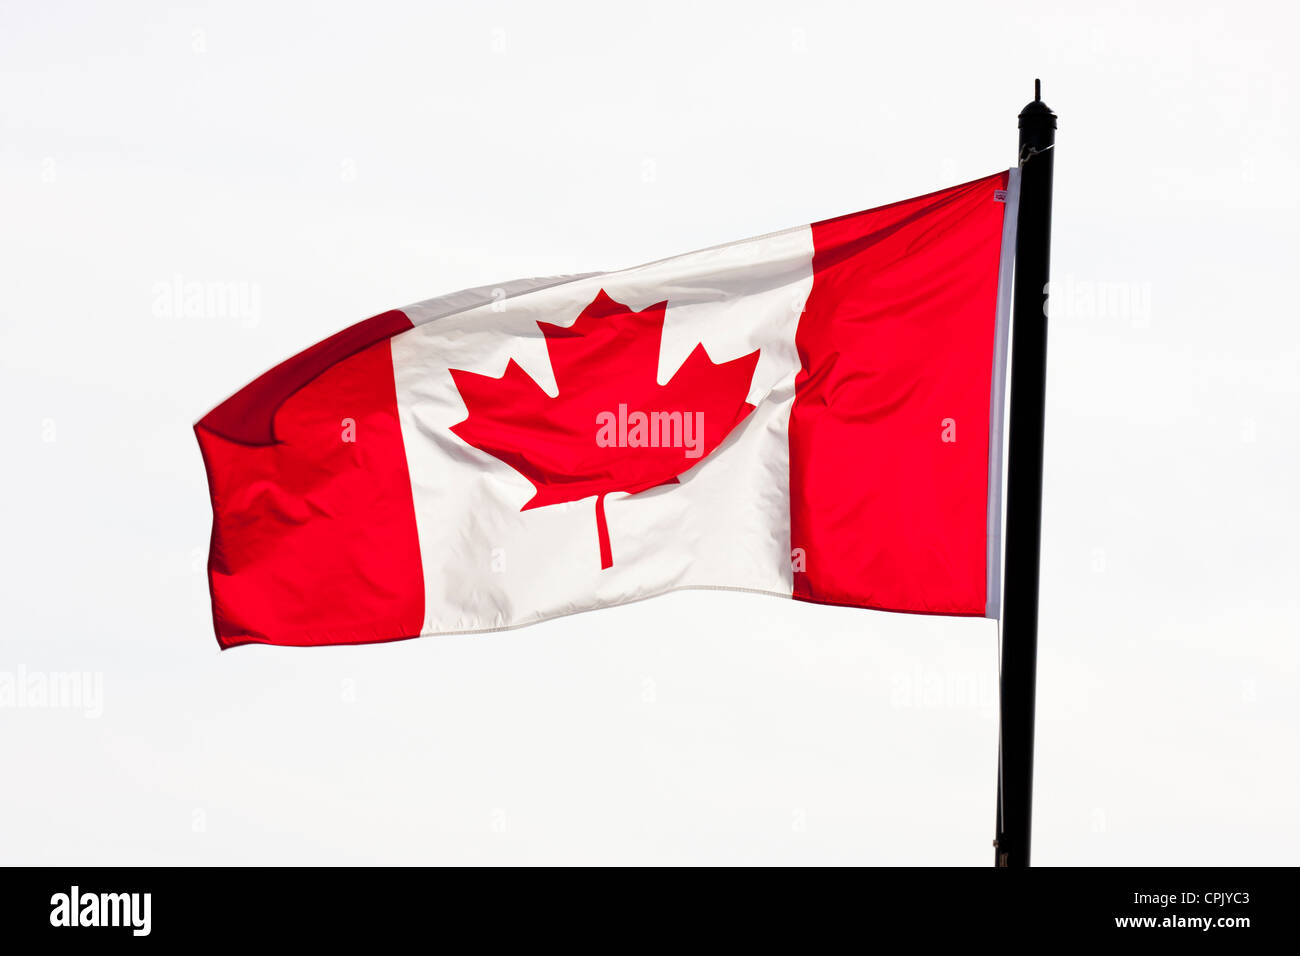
<point>999,195</point>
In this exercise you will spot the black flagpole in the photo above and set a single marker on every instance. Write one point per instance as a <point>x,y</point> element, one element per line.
<point>1024,485</point>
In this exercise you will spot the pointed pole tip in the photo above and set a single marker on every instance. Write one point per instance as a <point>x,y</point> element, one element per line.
<point>1038,90</point>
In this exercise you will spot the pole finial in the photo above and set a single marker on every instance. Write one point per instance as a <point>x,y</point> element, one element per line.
<point>1038,90</point>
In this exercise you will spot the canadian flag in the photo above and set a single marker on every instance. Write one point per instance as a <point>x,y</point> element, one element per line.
<point>814,414</point>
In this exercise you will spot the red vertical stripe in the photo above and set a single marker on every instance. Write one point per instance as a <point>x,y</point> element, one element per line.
<point>896,348</point>
<point>313,536</point>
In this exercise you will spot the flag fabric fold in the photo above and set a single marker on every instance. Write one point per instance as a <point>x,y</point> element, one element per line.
<point>815,413</point>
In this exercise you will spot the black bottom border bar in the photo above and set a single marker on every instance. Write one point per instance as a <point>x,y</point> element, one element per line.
<point>333,906</point>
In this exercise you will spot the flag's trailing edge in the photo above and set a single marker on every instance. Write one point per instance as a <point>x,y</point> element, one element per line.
<point>815,413</point>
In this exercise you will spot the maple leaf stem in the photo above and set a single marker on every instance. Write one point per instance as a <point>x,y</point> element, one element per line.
<point>602,532</point>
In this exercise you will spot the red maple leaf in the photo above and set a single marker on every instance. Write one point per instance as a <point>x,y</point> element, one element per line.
<point>589,440</point>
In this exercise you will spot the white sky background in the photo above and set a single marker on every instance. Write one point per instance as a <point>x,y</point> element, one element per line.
<point>347,159</point>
